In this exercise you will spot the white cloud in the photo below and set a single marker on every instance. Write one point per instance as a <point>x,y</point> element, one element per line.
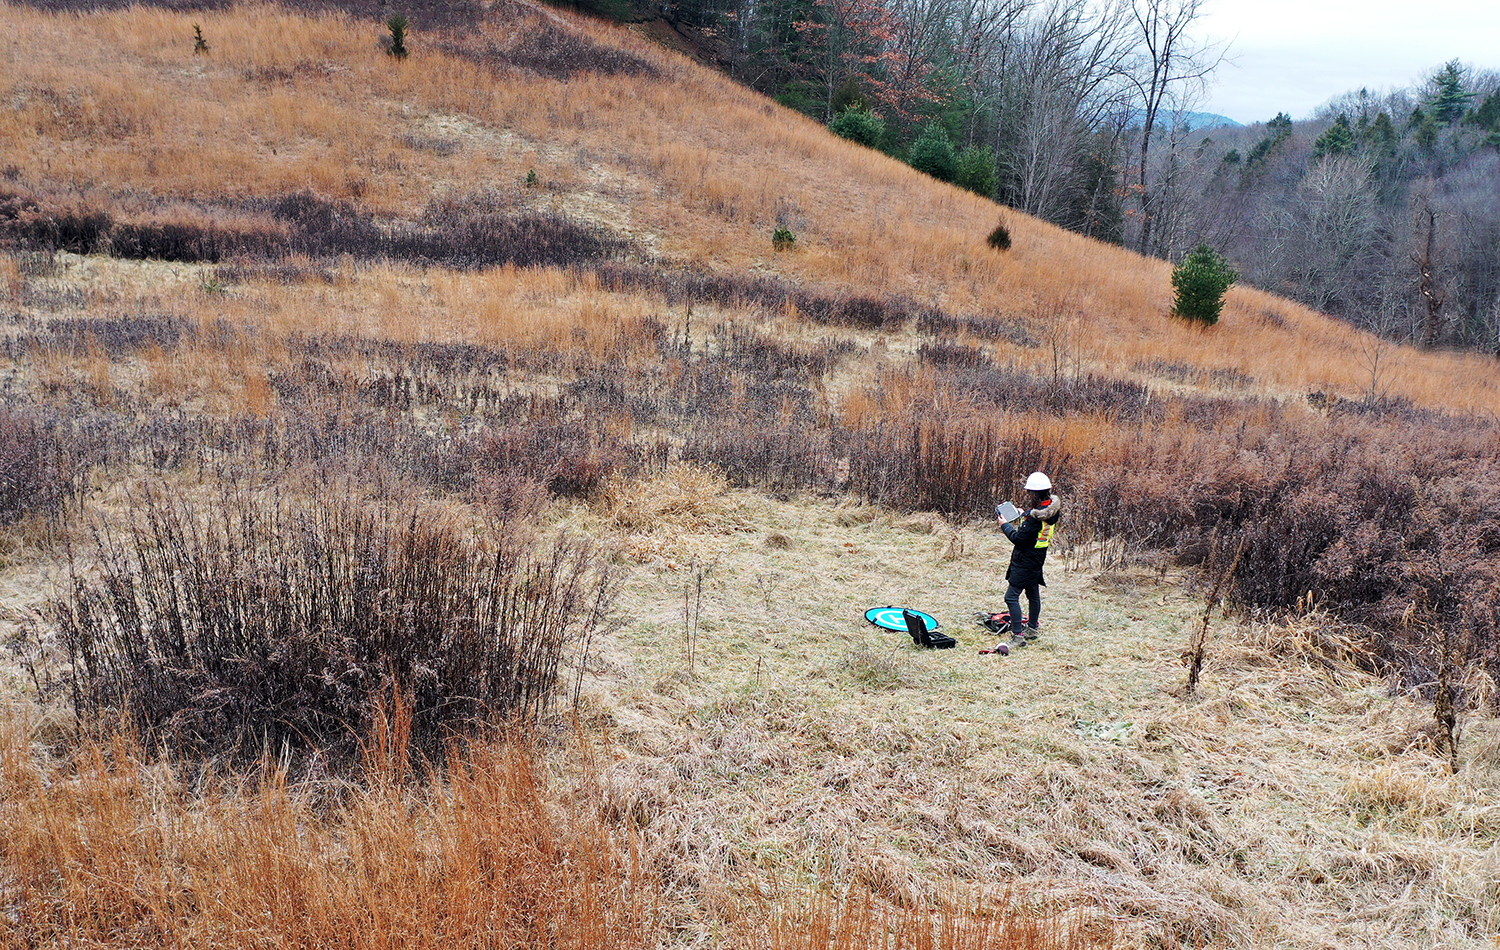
<point>1293,57</point>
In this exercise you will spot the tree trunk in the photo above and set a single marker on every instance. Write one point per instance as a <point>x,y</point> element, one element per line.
<point>1432,295</point>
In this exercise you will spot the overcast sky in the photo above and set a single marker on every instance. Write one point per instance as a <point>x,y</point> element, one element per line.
<point>1294,55</point>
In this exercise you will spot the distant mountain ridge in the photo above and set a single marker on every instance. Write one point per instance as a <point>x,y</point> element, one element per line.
<point>1194,121</point>
<point>1209,120</point>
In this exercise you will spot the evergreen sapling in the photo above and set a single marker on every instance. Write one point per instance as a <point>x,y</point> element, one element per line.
<point>397,25</point>
<point>1200,282</point>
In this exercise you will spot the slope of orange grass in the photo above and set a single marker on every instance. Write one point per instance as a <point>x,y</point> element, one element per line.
<point>112,106</point>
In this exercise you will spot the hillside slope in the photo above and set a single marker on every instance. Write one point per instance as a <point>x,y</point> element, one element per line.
<point>513,272</point>
<point>114,111</point>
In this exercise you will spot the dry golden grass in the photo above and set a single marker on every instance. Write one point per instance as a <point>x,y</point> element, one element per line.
<point>112,851</point>
<point>108,849</point>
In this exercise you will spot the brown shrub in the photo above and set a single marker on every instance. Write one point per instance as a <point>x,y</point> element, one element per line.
<point>36,470</point>
<point>273,622</point>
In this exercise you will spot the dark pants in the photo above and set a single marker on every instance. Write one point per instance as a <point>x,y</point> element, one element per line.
<point>1033,594</point>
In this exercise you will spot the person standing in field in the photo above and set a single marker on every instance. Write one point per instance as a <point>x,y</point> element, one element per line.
<point>1031,538</point>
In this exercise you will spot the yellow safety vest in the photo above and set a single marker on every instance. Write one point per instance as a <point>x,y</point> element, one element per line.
<point>1044,537</point>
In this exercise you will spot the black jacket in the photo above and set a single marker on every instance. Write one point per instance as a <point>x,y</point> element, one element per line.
<point>1031,539</point>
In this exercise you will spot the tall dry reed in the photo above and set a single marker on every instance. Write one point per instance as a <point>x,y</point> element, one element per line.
<point>108,848</point>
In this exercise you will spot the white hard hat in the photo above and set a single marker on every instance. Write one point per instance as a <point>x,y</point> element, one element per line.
<point>1036,481</point>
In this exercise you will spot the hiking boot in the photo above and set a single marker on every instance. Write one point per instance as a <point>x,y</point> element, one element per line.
<point>1032,632</point>
<point>1017,640</point>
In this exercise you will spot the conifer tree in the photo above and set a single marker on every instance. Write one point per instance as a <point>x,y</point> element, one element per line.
<point>1381,134</point>
<point>1449,97</point>
<point>1278,130</point>
<point>932,153</point>
<point>1200,281</point>
<point>1487,116</point>
<point>1337,140</point>
<point>397,25</point>
<point>1425,131</point>
<point>859,125</point>
<point>976,171</point>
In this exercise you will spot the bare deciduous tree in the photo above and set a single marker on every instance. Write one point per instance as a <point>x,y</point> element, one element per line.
<point>1170,66</point>
<point>1061,86</point>
<point>1329,230</point>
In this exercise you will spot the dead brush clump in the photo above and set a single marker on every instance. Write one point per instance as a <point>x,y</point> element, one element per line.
<point>38,471</point>
<point>193,235</point>
<point>78,229</point>
<point>462,234</point>
<point>573,458</point>
<point>684,498</point>
<point>1380,525</point>
<point>115,336</point>
<point>271,621</point>
<point>519,36</point>
<point>783,456</point>
<point>824,305</point>
<point>946,458</point>
<point>457,234</point>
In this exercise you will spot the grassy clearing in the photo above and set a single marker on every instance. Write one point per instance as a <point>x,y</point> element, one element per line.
<point>761,742</point>
<point>1287,804</point>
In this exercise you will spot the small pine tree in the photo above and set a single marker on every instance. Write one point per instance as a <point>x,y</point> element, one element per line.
<point>1425,133</point>
<point>858,125</point>
<point>1381,134</point>
<point>397,25</point>
<point>932,153</point>
<point>977,171</point>
<point>1201,280</point>
<point>999,238</point>
<point>200,45</point>
<point>1278,130</point>
<point>1487,116</point>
